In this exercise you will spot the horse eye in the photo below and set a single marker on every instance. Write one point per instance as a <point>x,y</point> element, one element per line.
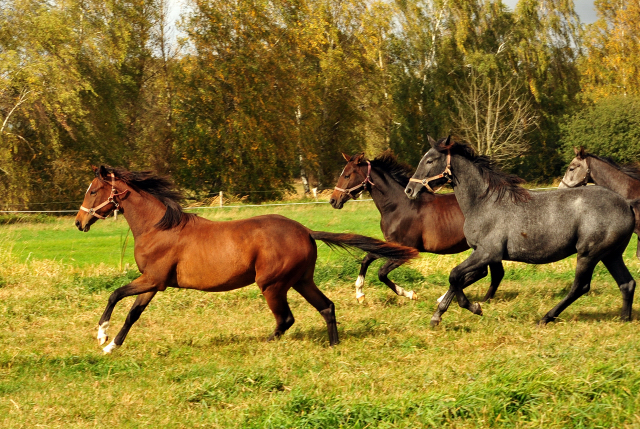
<point>429,161</point>
<point>571,169</point>
<point>94,192</point>
<point>346,176</point>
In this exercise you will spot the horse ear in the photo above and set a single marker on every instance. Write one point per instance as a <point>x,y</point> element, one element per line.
<point>102,172</point>
<point>358,158</point>
<point>448,143</point>
<point>431,141</point>
<point>583,153</point>
<point>346,157</point>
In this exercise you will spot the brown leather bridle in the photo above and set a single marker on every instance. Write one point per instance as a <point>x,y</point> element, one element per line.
<point>585,179</point>
<point>110,200</point>
<point>446,174</point>
<point>367,179</point>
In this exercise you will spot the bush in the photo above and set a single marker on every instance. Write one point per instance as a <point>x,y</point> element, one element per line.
<point>610,128</point>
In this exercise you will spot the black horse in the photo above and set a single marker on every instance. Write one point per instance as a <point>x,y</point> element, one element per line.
<point>431,223</point>
<point>504,221</point>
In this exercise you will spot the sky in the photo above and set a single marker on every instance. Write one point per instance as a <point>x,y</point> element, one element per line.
<point>584,9</point>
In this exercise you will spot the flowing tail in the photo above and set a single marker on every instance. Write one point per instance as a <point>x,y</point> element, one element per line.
<point>381,249</point>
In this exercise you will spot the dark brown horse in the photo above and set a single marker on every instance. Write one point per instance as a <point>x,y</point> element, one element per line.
<point>175,249</point>
<point>621,179</point>
<point>431,223</point>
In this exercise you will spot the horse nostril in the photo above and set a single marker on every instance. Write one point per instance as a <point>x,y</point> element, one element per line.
<point>408,192</point>
<point>332,201</point>
<point>78,224</point>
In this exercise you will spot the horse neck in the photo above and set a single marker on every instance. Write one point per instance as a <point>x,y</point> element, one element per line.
<point>606,175</point>
<point>468,183</point>
<point>142,211</point>
<point>387,194</point>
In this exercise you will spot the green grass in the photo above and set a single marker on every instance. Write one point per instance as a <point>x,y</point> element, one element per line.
<point>200,360</point>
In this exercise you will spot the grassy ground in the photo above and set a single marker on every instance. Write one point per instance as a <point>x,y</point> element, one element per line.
<point>200,360</point>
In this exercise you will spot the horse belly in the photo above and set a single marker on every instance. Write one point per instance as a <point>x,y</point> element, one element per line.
<point>217,272</point>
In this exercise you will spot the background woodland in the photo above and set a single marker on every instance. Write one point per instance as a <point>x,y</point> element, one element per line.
<point>251,95</point>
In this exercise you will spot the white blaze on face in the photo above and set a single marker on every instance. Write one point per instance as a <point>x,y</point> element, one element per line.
<point>88,189</point>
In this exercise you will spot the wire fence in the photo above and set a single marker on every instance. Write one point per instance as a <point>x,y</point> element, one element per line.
<point>219,206</point>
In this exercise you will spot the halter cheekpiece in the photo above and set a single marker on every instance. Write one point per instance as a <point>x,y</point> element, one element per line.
<point>361,185</point>
<point>110,200</point>
<point>446,174</point>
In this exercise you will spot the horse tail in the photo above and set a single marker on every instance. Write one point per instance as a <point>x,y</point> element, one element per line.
<point>635,208</point>
<point>381,249</point>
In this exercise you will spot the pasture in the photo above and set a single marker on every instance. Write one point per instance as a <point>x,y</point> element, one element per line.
<point>201,360</point>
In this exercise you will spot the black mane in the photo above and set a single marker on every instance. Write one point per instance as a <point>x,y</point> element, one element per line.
<point>387,162</point>
<point>499,182</point>
<point>160,187</point>
<point>629,170</point>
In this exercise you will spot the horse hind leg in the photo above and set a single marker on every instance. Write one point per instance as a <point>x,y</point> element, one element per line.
<point>364,266</point>
<point>309,291</point>
<point>497,274</point>
<point>622,276</point>
<point>581,285</point>
<point>137,308</point>
<point>277,301</point>
<point>382,276</point>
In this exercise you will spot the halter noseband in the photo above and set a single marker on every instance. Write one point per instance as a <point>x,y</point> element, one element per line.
<point>110,200</point>
<point>361,185</point>
<point>583,182</point>
<point>446,174</point>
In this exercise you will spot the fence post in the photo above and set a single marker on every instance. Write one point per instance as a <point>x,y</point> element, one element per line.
<point>220,198</point>
<point>315,193</point>
<point>115,215</point>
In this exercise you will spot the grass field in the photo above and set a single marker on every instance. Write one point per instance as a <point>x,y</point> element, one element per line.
<point>201,360</point>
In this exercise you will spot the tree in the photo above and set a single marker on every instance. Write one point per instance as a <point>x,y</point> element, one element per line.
<point>495,117</point>
<point>610,128</point>
<point>611,65</point>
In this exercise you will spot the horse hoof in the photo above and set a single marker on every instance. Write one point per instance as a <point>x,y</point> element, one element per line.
<point>435,322</point>
<point>103,339</point>
<point>110,348</point>
<point>476,309</point>
<point>414,296</point>
<point>360,299</point>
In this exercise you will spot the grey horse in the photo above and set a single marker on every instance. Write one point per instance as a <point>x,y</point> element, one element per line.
<point>504,221</point>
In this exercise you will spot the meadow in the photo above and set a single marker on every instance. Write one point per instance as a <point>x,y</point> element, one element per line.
<point>200,359</point>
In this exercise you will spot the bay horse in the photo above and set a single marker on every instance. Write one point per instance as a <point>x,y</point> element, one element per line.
<point>504,221</point>
<point>589,168</point>
<point>430,223</point>
<point>176,249</point>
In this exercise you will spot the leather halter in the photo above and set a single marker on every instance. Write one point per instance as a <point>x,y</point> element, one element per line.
<point>446,174</point>
<point>110,200</point>
<point>361,185</point>
<point>583,182</point>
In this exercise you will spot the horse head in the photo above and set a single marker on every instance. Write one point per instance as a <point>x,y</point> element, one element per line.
<point>352,181</point>
<point>434,168</point>
<point>578,173</point>
<point>99,199</point>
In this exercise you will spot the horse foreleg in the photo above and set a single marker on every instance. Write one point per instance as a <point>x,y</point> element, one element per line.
<point>581,285</point>
<point>384,271</point>
<point>136,287</point>
<point>627,285</point>
<point>445,300</point>
<point>497,274</point>
<point>137,308</point>
<point>364,266</point>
